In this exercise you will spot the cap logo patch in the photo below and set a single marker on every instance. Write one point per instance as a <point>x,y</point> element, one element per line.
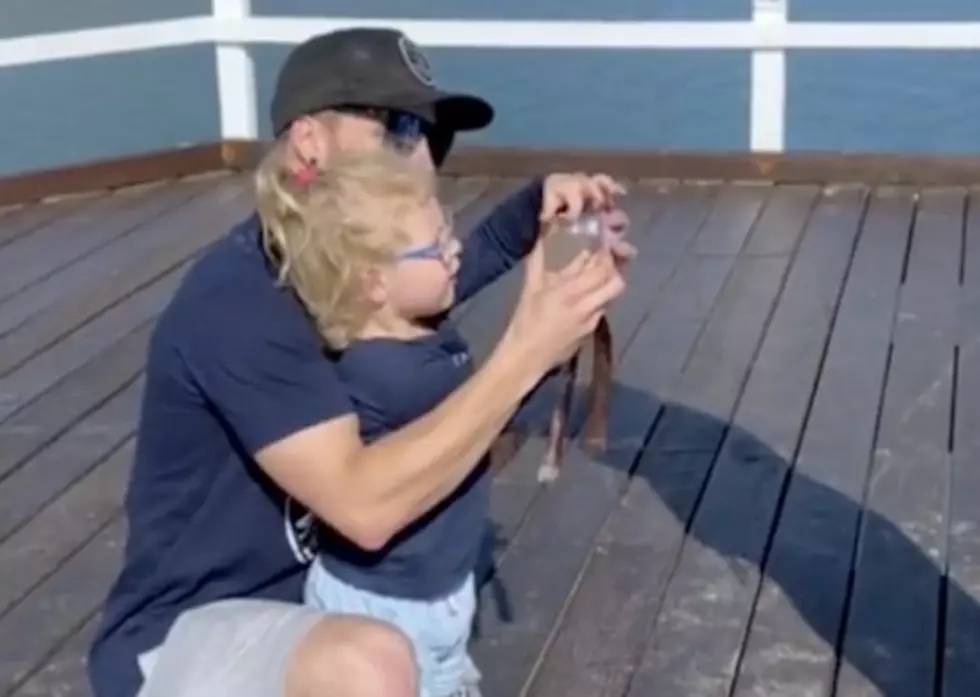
<point>416,61</point>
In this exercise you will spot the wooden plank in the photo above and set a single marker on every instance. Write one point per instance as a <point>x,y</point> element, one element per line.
<point>24,220</point>
<point>492,195</point>
<point>961,658</point>
<point>460,192</point>
<point>541,566</point>
<point>25,383</point>
<point>28,380</point>
<point>733,523</point>
<point>683,451</point>
<point>611,612</point>
<point>160,253</point>
<point>111,260</point>
<point>890,643</point>
<point>790,648</point>
<point>40,547</point>
<point>53,611</point>
<point>488,307</point>
<point>36,425</point>
<point>971,247</point>
<point>67,458</point>
<point>53,247</point>
<point>64,673</point>
<point>710,596</point>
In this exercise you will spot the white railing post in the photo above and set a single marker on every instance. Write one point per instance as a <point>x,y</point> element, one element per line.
<point>236,72</point>
<point>768,86</point>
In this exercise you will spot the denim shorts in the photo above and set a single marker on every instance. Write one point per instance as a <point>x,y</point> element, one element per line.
<point>438,629</point>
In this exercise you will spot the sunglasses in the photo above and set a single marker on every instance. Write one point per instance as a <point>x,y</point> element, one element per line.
<point>403,131</point>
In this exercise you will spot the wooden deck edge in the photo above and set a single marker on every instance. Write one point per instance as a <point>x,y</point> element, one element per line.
<point>872,169</point>
<point>125,171</point>
<point>797,167</point>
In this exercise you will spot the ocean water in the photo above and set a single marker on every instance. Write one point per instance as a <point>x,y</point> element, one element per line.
<point>883,101</point>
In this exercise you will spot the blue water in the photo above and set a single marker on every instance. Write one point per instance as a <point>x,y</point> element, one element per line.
<point>886,101</point>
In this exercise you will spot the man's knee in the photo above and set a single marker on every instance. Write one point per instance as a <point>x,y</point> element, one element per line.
<point>353,657</point>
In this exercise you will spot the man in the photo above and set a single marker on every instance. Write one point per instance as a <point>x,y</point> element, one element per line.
<point>243,416</point>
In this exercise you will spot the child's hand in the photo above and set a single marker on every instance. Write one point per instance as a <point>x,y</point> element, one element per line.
<point>569,195</point>
<point>616,223</point>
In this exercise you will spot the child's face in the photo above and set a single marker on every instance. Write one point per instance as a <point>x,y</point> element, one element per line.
<point>421,282</point>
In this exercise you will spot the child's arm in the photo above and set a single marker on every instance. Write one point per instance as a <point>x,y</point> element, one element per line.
<point>500,241</point>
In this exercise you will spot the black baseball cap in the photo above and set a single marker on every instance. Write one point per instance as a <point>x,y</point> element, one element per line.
<point>369,67</point>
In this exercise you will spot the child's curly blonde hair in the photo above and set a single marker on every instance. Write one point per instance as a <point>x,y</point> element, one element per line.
<point>326,234</point>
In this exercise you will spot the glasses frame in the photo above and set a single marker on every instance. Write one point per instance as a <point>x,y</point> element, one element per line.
<point>439,250</point>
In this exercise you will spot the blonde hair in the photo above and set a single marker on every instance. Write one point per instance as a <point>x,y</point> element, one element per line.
<point>326,235</point>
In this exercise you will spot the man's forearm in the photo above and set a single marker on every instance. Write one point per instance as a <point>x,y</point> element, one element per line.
<point>408,472</point>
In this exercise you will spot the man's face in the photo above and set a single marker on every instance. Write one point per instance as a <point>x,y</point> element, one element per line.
<point>345,131</point>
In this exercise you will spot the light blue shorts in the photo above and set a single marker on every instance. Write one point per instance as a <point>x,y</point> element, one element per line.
<point>439,629</point>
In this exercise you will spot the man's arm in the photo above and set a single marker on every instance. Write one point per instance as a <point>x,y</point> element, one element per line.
<point>266,377</point>
<point>500,241</point>
<point>370,492</point>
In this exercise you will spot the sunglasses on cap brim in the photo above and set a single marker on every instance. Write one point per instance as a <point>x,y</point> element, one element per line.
<point>403,130</point>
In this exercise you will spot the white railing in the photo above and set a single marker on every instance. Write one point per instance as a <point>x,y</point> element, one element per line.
<point>232,28</point>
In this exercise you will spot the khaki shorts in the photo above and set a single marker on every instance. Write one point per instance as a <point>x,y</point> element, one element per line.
<point>231,648</point>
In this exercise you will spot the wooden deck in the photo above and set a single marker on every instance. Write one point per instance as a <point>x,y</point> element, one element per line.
<point>789,506</point>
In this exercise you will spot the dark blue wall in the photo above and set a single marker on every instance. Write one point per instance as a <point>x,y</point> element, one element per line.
<point>24,17</point>
<point>65,112</point>
<point>75,111</point>
<point>597,99</point>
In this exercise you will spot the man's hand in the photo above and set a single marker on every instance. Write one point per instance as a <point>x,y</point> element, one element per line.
<point>616,222</point>
<point>570,195</point>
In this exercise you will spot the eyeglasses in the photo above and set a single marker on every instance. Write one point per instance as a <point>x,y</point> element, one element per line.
<point>439,250</point>
<point>403,131</point>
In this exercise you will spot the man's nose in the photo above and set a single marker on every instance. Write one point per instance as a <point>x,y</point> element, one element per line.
<point>422,156</point>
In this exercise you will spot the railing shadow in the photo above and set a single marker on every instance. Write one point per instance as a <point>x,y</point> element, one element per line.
<point>813,566</point>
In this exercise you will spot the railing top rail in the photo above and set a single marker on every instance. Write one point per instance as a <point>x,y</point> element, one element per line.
<point>751,35</point>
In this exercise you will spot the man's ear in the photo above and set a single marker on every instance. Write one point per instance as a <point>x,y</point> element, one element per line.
<point>308,141</point>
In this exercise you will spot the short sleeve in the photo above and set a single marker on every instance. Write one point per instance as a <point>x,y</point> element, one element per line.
<point>265,374</point>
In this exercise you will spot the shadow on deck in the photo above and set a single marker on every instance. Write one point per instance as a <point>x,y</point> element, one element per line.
<point>788,503</point>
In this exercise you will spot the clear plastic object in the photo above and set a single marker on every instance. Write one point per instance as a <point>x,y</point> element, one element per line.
<point>568,238</point>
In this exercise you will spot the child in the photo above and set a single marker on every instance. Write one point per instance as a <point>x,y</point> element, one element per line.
<point>386,264</point>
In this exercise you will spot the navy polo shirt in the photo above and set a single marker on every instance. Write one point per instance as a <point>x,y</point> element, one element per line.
<point>234,364</point>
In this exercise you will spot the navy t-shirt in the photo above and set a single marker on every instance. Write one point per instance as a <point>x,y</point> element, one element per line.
<point>235,364</point>
<point>392,383</point>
